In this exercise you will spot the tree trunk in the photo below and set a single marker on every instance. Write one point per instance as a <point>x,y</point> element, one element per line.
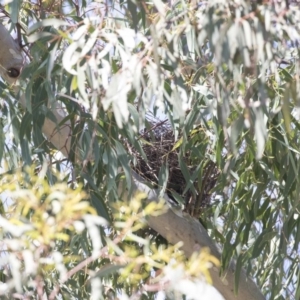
<point>174,226</point>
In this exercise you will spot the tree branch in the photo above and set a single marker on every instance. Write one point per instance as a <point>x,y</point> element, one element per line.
<point>174,226</point>
<point>10,56</point>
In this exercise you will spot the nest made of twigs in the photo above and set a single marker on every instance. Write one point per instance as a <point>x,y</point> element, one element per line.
<point>158,143</point>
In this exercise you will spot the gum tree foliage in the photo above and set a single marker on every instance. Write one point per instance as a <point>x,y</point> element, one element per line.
<point>54,247</point>
<point>226,74</point>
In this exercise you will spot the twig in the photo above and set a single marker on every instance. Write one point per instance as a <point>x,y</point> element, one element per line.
<point>81,266</point>
<point>152,128</point>
<point>73,271</point>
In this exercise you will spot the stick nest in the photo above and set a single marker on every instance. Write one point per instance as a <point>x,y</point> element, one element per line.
<point>158,143</point>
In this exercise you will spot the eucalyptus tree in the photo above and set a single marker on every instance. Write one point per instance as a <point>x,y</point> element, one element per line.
<point>226,75</point>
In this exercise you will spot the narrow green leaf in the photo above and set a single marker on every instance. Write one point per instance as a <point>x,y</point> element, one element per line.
<point>133,11</point>
<point>235,131</point>
<point>260,132</point>
<point>123,158</point>
<point>51,60</point>
<point>286,111</point>
<point>237,273</point>
<point>26,126</point>
<point>25,150</point>
<point>107,270</point>
<point>2,141</point>
<point>15,6</point>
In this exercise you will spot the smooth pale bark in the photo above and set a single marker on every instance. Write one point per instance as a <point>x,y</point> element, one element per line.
<point>174,226</point>
<point>11,57</point>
